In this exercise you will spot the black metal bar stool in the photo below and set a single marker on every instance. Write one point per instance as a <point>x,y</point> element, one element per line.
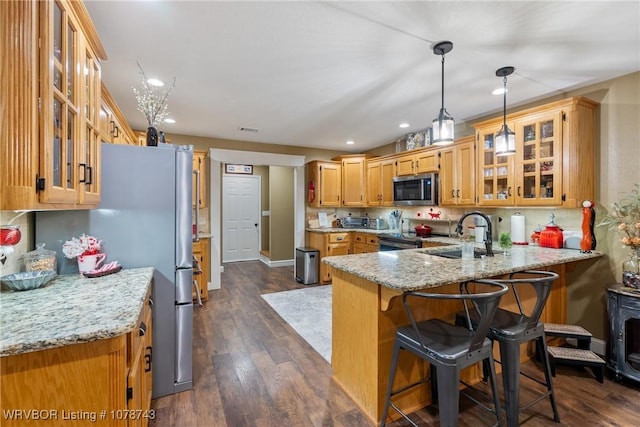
<point>448,348</point>
<point>511,329</point>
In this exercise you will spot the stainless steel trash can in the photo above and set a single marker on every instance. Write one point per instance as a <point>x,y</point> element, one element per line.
<point>307,265</point>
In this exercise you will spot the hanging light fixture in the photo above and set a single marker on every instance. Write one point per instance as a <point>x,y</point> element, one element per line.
<point>443,125</point>
<point>505,138</point>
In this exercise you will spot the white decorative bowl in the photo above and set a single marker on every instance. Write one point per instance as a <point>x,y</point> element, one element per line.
<point>28,280</point>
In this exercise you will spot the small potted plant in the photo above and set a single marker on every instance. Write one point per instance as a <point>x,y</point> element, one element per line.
<point>505,243</point>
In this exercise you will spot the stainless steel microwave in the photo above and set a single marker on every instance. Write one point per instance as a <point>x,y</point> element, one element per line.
<point>416,190</point>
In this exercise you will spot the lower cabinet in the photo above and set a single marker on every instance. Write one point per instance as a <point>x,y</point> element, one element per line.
<point>201,253</point>
<point>107,382</point>
<point>365,242</point>
<point>140,378</point>
<point>329,244</point>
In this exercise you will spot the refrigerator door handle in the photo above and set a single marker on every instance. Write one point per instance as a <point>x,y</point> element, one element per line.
<point>196,238</point>
<point>184,346</point>
<point>184,207</point>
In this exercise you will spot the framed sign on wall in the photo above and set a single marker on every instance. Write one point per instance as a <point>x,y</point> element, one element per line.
<point>241,169</point>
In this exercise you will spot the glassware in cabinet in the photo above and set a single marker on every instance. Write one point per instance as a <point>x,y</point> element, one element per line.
<point>538,180</point>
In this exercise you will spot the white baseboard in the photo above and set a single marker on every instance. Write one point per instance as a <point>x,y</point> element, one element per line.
<point>210,287</point>
<point>282,263</point>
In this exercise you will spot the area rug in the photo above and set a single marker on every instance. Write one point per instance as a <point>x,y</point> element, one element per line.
<point>308,311</point>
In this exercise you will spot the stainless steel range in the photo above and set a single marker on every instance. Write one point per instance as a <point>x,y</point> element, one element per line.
<point>395,242</point>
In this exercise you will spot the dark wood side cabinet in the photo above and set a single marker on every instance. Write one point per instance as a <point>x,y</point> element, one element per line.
<point>623,348</point>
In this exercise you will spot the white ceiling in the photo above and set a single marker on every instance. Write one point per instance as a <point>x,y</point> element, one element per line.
<point>315,74</point>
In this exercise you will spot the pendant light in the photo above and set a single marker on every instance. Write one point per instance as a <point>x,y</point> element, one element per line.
<point>505,138</point>
<point>443,125</point>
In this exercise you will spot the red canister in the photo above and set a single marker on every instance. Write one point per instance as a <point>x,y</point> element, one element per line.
<point>551,236</point>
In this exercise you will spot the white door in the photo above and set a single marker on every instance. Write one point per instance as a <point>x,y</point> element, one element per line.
<point>240,218</point>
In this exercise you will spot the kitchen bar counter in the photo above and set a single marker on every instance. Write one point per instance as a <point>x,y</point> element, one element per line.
<point>413,269</point>
<point>367,310</point>
<point>72,309</point>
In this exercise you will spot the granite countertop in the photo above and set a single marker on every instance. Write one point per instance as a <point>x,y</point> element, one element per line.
<point>412,269</point>
<point>72,309</point>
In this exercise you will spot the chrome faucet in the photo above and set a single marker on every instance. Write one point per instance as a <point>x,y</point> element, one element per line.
<point>488,242</point>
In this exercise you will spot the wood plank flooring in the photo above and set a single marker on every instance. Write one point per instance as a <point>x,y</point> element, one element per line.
<point>251,369</point>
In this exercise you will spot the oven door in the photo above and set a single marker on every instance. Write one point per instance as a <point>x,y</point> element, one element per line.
<point>392,245</point>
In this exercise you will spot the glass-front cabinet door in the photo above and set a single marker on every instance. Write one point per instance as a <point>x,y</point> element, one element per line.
<point>57,180</point>
<point>495,173</point>
<point>69,111</point>
<point>538,151</point>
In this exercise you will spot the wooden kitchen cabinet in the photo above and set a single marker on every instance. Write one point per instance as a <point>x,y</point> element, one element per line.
<point>50,141</point>
<point>140,355</point>
<point>114,128</point>
<point>364,243</point>
<point>554,163</point>
<point>380,173</point>
<point>112,375</point>
<point>324,184</point>
<point>328,244</point>
<point>424,160</point>
<point>457,173</point>
<point>201,253</point>
<point>200,163</point>
<point>354,179</point>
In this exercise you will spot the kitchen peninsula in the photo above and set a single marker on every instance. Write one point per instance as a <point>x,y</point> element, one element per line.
<point>76,348</point>
<point>365,291</point>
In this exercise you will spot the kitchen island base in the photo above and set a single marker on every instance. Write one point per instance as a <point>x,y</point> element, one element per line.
<point>361,351</point>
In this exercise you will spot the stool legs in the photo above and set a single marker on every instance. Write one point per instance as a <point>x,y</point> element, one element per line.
<point>542,342</point>
<point>392,374</point>
<point>510,359</point>
<point>448,378</point>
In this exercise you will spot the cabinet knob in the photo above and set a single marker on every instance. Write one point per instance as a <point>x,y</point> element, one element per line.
<point>142,330</point>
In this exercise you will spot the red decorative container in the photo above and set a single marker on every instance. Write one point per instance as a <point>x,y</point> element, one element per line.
<point>551,236</point>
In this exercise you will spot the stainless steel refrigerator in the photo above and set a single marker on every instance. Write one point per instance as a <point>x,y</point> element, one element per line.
<point>144,220</point>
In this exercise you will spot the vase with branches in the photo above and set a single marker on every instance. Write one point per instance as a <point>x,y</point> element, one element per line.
<point>152,102</point>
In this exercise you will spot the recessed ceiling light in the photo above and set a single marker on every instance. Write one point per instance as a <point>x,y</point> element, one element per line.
<point>499,91</point>
<point>403,125</point>
<point>155,82</point>
<point>169,120</point>
<point>350,142</point>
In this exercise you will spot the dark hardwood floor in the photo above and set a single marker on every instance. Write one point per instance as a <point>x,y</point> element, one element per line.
<point>251,369</point>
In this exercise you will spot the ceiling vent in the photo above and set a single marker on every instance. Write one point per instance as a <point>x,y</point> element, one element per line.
<point>248,129</point>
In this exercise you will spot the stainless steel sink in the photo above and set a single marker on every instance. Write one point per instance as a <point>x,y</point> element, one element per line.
<point>457,254</point>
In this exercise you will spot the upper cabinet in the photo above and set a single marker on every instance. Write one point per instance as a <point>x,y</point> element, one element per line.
<point>200,179</point>
<point>554,163</point>
<point>51,129</point>
<point>113,126</point>
<point>354,179</point>
<point>324,184</point>
<point>380,173</point>
<point>457,173</point>
<point>423,161</point>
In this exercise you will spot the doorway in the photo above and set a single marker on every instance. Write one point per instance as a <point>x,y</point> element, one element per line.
<point>217,158</point>
<point>240,218</point>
